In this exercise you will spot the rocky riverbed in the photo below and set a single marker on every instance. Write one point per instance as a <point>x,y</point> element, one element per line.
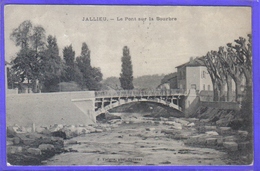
<point>137,140</point>
<point>132,139</point>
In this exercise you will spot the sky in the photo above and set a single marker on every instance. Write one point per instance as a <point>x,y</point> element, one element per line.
<point>156,47</point>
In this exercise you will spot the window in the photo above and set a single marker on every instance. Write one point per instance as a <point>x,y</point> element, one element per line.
<point>203,86</point>
<point>208,87</point>
<point>203,74</point>
<point>193,86</point>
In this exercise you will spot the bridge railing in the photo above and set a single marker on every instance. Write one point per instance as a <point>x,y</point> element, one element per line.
<point>126,93</point>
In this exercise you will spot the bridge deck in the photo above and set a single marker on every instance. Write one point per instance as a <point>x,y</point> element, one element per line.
<point>139,93</point>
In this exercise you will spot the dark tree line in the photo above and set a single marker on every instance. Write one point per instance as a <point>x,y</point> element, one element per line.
<point>233,62</point>
<point>39,64</point>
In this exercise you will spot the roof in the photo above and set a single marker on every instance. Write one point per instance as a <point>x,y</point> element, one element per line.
<point>168,77</point>
<point>193,62</point>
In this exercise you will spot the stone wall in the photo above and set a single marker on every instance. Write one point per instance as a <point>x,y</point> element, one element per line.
<point>221,105</point>
<point>44,109</point>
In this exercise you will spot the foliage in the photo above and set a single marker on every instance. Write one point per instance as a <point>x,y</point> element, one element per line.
<point>126,75</point>
<point>52,66</point>
<point>39,65</point>
<point>69,86</point>
<point>91,76</point>
<point>12,78</point>
<point>111,83</point>
<point>22,35</point>
<point>71,70</point>
<point>28,62</point>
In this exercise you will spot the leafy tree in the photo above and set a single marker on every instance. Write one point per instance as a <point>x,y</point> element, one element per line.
<point>52,66</point>
<point>28,61</point>
<point>83,64</point>
<point>22,35</point>
<point>91,76</point>
<point>38,38</point>
<point>126,75</point>
<point>69,58</point>
<point>12,78</point>
<point>95,79</point>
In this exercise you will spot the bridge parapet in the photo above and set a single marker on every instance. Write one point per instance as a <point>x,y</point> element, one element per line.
<point>127,93</point>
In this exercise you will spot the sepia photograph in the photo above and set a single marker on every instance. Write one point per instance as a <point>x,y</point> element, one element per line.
<point>125,85</point>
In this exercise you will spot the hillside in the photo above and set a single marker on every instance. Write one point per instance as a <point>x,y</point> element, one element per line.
<point>142,82</point>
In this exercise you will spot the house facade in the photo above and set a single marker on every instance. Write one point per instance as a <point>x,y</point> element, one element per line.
<point>194,75</point>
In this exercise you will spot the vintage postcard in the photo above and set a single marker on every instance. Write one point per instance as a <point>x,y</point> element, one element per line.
<point>91,85</point>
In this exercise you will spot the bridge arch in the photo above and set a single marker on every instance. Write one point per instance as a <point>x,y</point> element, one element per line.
<point>121,102</point>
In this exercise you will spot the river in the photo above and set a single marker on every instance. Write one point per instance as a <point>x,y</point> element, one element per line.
<point>137,141</point>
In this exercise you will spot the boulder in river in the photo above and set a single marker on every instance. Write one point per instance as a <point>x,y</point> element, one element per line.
<point>69,142</point>
<point>14,149</point>
<point>210,128</point>
<point>211,141</point>
<point>34,151</point>
<point>56,127</point>
<point>59,133</point>
<point>231,146</point>
<point>181,121</point>
<point>244,145</point>
<point>45,147</point>
<point>9,142</point>
<point>222,122</point>
<point>149,129</point>
<point>242,134</point>
<point>224,130</point>
<point>191,124</point>
<point>211,133</point>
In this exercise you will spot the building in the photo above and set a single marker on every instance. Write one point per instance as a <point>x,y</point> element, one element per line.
<point>194,75</point>
<point>169,82</point>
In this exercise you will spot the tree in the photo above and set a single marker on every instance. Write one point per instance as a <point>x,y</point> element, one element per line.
<point>219,76</point>
<point>95,79</point>
<point>22,35</point>
<point>209,61</point>
<point>91,76</point>
<point>233,63</point>
<point>69,57</point>
<point>28,61</point>
<point>38,38</point>
<point>222,54</point>
<point>38,46</point>
<point>83,64</point>
<point>242,56</point>
<point>126,75</point>
<point>51,66</point>
<point>12,78</point>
